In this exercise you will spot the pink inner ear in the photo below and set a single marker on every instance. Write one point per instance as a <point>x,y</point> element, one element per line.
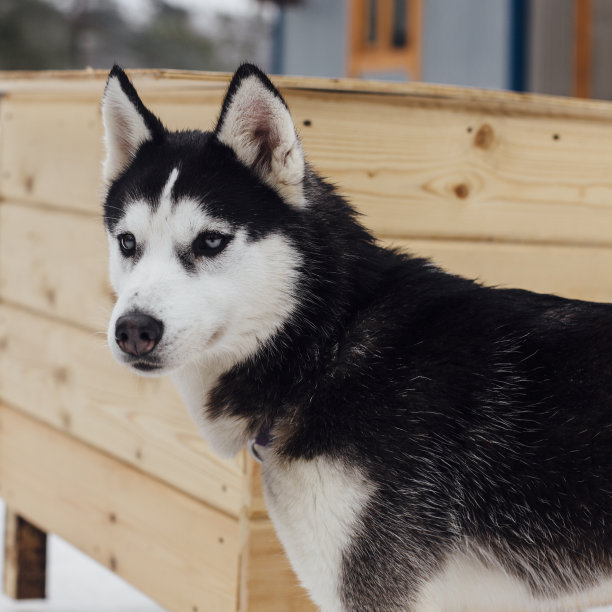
<point>125,138</point>
<point>264,133</point>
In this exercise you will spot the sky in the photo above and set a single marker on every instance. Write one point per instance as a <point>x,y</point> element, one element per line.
<point>135,8</point>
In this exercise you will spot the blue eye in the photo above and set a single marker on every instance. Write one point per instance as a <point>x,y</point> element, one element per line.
<point>127,244</point>
<point>213,243</point>
<point>208,244</point>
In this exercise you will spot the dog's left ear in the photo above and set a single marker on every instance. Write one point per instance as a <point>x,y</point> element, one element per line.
<point>256,124</point>
<point>128,123</point>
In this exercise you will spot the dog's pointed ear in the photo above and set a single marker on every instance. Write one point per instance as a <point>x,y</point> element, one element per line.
<point>256,124</point>
<point>127,123</point>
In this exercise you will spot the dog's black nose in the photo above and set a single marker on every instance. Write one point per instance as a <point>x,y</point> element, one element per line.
<point>137,333</point>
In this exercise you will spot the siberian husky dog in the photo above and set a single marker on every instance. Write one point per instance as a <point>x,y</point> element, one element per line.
<point>427,443</point>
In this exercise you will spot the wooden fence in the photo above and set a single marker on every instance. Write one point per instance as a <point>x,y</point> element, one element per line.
<point>512,189</point>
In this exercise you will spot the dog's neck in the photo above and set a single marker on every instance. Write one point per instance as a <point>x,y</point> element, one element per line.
<point>227,434</point>
<point>270,392</point>
<point>232,403</point>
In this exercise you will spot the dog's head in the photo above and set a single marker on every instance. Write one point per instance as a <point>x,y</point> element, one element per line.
<point>200,256</point>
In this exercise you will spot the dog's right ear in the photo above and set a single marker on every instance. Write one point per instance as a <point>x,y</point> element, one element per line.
<point>128,123</point>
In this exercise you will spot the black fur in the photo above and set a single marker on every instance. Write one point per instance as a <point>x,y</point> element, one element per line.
<point>482,415</point>
<point>155,126</point>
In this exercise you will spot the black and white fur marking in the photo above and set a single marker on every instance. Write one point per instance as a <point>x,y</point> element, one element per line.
<point>435,444</point>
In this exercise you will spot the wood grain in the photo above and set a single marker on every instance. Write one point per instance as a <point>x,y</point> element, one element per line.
<point>174,548</point>
<point>67,378</point>
<point>52,153</point>
<point>427,167</point>
<point>254,501</point>
<point>89,84</point>
<point>45,277</point>
<point>56,263</point>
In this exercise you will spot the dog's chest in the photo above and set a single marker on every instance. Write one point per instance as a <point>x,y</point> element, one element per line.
<point>226,434</point>
<point>315,506</point>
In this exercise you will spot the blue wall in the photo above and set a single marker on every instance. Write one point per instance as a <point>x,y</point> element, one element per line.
<point>314,39</point>
<point>465,42</point>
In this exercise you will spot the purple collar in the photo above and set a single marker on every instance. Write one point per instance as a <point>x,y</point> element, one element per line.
<point>261,440</point>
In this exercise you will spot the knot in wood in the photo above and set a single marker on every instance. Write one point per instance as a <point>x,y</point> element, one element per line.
<point>483,138</point>
<point>28,183</point>
<point>462,191</point>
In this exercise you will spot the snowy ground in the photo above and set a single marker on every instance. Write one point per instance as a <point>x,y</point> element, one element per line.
<point>75,583</point>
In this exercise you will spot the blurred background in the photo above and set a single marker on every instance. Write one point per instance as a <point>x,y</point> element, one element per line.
<point>546,46</point>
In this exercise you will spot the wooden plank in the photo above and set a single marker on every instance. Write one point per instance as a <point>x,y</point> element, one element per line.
<point>582,273</point>
<point>267,582</point>
<point>254,502</point>
<point>420,170</point>
<point>88,84</point>
<point>42,279</point>
<point>52,151</point>
<point>25,558</point>
<point>41,153</point>
<point>172,547</point>
<point>56,263</point>
<point>66,377</point>
<point>423,172</point>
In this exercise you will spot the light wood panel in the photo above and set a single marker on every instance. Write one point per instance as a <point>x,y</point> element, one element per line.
<point>66,377</point>
<point>174,548</point>
<point>52,152</point>
<point>430,172</point>
<point>581,273</point>
<point>460,168</point>
<point>87,85</point>
<point>254,502</point>
<point>56,263</point>
<point>40,268</point>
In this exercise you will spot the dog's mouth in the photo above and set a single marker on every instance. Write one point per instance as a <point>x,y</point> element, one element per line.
<point>145,366</point>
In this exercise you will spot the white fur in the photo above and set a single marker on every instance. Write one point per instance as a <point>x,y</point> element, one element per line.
<point>124,130</point>
<point>315,506</point>
<point>255,113</point>
<point>466,584</point>
<point>226,435</point>
<point>212,318</point>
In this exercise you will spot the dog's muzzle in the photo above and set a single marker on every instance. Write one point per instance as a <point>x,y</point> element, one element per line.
<point>137,333</point>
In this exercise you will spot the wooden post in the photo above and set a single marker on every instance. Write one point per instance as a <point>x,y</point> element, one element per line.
<point>583,17</point>
<point>25,558</point>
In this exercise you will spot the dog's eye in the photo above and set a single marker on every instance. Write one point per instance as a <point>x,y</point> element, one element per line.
<point>209,244</point>
<point>127,243</point>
